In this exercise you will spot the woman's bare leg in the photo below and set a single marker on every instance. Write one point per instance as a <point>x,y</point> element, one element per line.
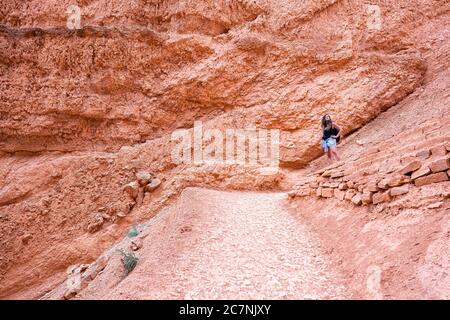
<point>334,153</point>
<point>337,156</point>
<point>330,155</point>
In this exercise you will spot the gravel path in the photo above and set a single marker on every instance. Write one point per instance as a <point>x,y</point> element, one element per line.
<point>230,245</point>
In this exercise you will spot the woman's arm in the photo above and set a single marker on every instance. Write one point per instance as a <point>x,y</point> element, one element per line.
<point>339,131</point>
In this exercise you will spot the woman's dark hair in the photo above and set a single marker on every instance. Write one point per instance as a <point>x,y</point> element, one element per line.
<point>325,122</point>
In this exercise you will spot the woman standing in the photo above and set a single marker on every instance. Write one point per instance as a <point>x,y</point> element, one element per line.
<point>331,134</point>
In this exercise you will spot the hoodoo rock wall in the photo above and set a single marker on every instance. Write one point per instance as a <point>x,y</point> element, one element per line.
<point>85,112</point>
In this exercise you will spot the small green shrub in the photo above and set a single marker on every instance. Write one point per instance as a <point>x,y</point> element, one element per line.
<point>133,232</point>
<point>129,261</point>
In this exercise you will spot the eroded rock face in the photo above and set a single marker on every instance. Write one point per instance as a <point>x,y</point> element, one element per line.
<point>83,111</point>
<point>126,80</point>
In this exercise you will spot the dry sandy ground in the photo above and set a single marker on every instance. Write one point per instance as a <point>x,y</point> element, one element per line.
<point>227,245</point>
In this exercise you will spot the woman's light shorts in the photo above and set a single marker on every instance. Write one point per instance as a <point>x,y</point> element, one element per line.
<point>330,142</point>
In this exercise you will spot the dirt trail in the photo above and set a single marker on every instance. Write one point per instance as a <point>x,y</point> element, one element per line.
<point>226,245</point>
